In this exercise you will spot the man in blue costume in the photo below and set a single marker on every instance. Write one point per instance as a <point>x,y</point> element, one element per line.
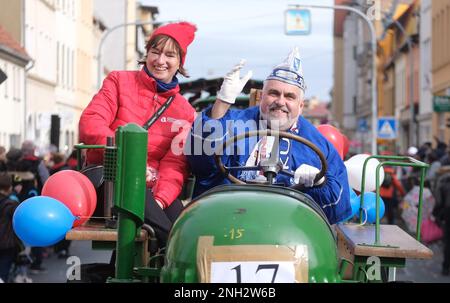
<point>281,108</point>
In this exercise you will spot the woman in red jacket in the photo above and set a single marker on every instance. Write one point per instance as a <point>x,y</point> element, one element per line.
<point>134,96</point>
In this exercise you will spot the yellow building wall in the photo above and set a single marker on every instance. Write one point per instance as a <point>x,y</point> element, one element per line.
<point>441,63</point>
<point>441,45</point>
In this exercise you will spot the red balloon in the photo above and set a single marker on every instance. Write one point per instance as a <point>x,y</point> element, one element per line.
<point>334,136</point>
<point>89,188</point>
<point>74,190</point>
<point>346,146</point>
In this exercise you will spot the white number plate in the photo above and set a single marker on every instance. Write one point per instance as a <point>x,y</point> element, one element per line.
<point>253,272</point>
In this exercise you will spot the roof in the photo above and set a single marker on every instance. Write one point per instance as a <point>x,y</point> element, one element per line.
<point>339,18</point>
<point>320,110</point>
<point>11,46</point>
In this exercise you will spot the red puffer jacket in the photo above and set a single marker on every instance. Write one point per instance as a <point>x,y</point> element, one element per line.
<point>130,96</point>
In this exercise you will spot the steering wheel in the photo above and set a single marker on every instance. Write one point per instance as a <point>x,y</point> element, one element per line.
<point>272,169</point>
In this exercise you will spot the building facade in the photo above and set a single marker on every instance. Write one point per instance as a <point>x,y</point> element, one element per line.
<point>440,14</point>
<point>424,118</point>
<point>13,62</point>
<point>62,38</point>
<point>353,78</point>
<point>40,42</point>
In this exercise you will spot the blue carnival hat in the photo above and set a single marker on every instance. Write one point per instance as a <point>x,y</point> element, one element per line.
<point>290,71</point>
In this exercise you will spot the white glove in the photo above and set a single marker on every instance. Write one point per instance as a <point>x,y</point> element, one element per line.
<point>232,84</point>
<point>159,204</point>
<point>305,174</point>
<point>151,174</point>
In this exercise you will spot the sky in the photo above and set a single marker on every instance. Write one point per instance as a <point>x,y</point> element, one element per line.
<point>230,30</point>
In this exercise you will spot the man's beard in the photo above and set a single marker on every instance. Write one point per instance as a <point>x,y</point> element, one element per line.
<point>276,123</point>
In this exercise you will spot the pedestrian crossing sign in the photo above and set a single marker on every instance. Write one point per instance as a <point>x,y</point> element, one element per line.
<point>387,128</point>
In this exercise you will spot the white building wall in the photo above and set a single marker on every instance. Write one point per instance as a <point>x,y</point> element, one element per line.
<point>426,106</point>
<point>400,82</point>
<point>66,48</point>
<point>40,39</point>
<point>11,104</point>
<point>400,101</point>
<point>86,77</point>
<point>350,72</point>
<point>40,43</point>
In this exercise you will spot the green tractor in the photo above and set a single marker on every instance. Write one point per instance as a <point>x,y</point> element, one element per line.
<point>244,232</point>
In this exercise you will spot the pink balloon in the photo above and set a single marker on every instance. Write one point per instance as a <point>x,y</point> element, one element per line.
<point>334,136</point>
<point>346,146</point>
<point>74,190</point>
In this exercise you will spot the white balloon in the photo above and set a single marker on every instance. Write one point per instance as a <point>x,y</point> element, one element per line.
<point>355,169</point>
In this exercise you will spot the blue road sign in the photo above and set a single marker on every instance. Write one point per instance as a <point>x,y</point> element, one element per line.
<point>297,22</point>
<point>362,126</point>
<point>387,128</point>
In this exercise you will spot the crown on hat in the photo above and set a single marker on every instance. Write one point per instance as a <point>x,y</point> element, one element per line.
<point>290,71</point>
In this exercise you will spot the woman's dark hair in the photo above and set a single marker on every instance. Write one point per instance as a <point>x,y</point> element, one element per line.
<point>161,40</point>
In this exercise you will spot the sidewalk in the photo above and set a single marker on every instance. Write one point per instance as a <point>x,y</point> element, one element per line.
<point>56,268</point>
<point>425,271</point>
<point>418,271</point>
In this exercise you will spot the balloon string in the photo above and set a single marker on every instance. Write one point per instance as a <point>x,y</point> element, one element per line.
<point>90,217</point>
<point>365,219</point>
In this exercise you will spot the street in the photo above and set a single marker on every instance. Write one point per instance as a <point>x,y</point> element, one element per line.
<point>57,268</point>
<point>418,271</point>
<point>425,271</point>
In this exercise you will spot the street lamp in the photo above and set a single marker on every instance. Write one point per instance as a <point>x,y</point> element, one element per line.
<point>106,34</point>
<point>374,62</point>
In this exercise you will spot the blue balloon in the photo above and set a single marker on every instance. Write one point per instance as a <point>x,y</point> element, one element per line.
<point>352,193</point>
<point>42,221</point>
<point>354,203</point>
<point>370,207</point>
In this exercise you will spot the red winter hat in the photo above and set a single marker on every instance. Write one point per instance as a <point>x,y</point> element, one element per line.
<point>182,32</point>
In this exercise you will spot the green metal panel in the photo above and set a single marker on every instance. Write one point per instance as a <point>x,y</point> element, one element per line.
<point>129,194</point>
<point>250,218</point>
<point>129,188</point>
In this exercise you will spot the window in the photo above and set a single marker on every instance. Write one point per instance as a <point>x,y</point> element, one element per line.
<point>3,85</point>
<point>14,140</point>
<point>72,140</point>
<point>72,11</point>
<point>16,83</point>
<point>7,81</point>
<point>58,72</point>
<point>72,68</point>
<point>68,67</point>
<point>63,60</point>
